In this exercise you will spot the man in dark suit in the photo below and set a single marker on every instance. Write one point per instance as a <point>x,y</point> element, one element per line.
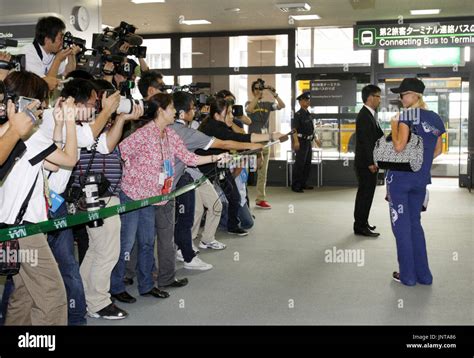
<point>367,133</point>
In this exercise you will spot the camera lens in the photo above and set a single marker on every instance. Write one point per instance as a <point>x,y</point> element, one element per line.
<point>91,191</point>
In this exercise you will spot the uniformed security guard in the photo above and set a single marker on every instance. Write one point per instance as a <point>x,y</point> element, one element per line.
<point>301,144</point>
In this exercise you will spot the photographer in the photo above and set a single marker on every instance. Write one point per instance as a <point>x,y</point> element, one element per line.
<point>104,240</point>
<point>89,129</point>
<point>120,43</point>
<point>259,113</point>
<point>131,42</point>
<point>149,156</point>
<point>239,119</point>
<point>193,139</point>
<point>218,124</point>
<point>39,296</point>
<point>240,174</point>
<point>149,84</point>
<point>46,56</point>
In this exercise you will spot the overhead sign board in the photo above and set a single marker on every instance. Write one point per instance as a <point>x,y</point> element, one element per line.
<point>414,35</point>
<point>333,93</point>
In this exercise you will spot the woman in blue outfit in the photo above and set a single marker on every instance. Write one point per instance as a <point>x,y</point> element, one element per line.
<point>407,190</point>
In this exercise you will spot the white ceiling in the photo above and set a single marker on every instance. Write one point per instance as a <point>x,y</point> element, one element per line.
<point>263,14</point>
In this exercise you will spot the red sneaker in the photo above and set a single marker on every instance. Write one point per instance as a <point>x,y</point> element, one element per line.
<point>263,205</point>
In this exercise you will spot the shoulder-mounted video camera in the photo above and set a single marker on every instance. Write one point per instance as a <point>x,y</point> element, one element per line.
<point>17,62</point>
<point>110,42</point>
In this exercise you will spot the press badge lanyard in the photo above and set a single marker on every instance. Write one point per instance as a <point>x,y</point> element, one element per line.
<point>166,175</point>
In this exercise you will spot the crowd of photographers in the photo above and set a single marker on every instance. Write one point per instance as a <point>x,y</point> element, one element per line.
<point>73,139</point>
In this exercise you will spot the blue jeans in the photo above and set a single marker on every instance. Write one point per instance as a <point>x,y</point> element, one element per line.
<point>185,219</point>
<point>245,217</point>
<point>140,225</point>
<point>61,243</point>
<point>406,201</point>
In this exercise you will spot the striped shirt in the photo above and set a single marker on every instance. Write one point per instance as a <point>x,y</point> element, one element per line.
<point>108,164</point>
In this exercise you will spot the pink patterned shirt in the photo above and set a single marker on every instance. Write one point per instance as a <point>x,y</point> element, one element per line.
<point>143,153</point>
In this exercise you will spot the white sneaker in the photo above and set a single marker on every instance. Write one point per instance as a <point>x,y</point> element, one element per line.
<point>197,264</point>
<point>179,256</point>
<point>215,245</point>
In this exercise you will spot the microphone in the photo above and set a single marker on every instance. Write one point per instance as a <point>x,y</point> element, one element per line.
<point>134,40</point>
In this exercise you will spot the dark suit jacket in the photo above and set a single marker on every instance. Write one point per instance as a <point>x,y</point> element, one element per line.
<point>367,133</point>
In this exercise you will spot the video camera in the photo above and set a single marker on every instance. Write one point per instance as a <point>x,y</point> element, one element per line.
<point>17,62</point>
<point>201,98</point>
<point>110,43</point>
<point>93,63</point>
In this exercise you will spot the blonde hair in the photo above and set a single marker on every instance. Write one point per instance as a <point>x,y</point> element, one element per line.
<point>420,103</point>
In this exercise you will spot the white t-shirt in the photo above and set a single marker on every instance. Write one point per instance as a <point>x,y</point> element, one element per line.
<point>40,66</point>
<point>85,139</point>
<point>16,185</point>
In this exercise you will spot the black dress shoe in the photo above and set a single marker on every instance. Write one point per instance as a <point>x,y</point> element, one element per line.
<point>124,297</point>
<point>297,190</point>
<point>178,283</point>
<point>372,228</point>
<point>156,293</point>
<point>308,187</point>
<point>366,232</point>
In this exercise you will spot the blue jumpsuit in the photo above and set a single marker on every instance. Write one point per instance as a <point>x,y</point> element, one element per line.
<point>406,193</point>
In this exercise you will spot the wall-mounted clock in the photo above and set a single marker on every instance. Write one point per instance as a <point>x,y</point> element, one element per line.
<point>81,18</point>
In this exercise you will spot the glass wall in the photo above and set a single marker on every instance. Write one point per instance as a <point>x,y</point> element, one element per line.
<point>240,86</point>
<point>158,54</point>
<point>328,46</point>
<point>234,52</point>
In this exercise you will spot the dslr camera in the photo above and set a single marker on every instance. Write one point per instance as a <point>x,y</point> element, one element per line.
<point>21,104</point>
<point>126,105</point>
<point>69,40</point>
<point>237,109</point>
<point>260,85</point>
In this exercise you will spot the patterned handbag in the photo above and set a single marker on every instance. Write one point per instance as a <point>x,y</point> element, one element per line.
<point>409,159</point>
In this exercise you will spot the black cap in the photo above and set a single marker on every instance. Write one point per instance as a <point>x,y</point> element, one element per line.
<point>304,95</point>
<point>410,84</point>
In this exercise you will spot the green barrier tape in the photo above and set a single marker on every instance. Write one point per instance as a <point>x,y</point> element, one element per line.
<point>18,232</point>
